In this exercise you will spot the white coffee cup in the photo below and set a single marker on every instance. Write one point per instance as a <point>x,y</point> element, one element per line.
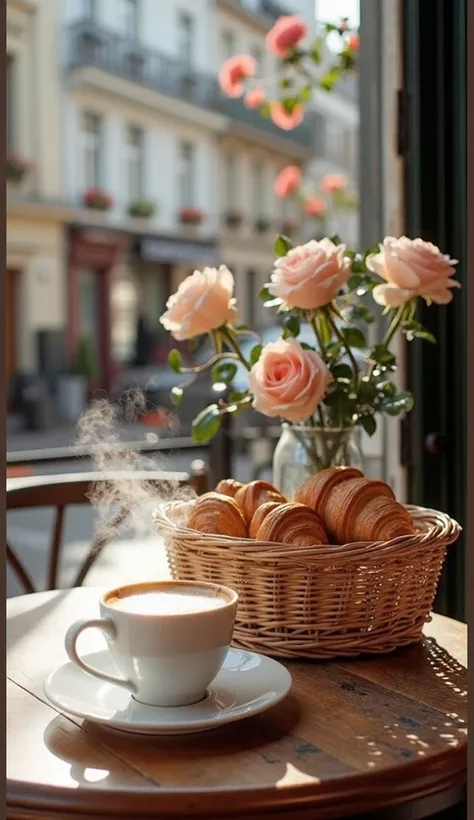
<point>166,657</point>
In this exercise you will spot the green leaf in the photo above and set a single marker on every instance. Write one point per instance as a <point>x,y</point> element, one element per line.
<point>305,93</point>
<point>315,51</point>
<point>330,27</point>
<point>292,325</point>
<point>289,104</point>
<point>336,239</point>
<point>342,371</point>
<point>236,395</point>
<point>224,372</point>
<point>255,354</point>
<point>285,82</point>
<point>400,403</point>
<point>264,110</point>
<point>354,337</point>
<point>369,424</point>
<point>381,355</point>
<point>265,293</point>
<point>282,245</point>
<point>174,360</point>
<point>387,388</point>
<point>415,330</point>
<point>333,349</point>
<point>329,80</point>
<point>306,346</point>
<point>176,395</point>
<point>367,391</point>
<point>206,424</point>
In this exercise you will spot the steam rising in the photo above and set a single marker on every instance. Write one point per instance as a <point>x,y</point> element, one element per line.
<point>126,500</point>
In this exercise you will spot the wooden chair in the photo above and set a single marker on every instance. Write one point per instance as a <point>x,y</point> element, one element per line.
<point>61,491</point>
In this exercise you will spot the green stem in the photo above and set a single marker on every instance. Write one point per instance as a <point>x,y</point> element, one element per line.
<point>314,325</point>
<point>201,367</point>
<point>392,329</point>
<point>347,348</point>
<point>228,336</point>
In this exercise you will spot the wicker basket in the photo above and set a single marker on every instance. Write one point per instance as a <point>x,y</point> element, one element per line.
<point>318,602</point>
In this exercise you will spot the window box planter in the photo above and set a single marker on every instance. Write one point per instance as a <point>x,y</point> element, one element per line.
<point>191,216</point>
<point>142,208</point>
<point>233,219</point>
<point>262,224</point>
<point>97,200</point>
<point>17,167</point>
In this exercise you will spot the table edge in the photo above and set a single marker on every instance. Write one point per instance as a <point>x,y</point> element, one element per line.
<point>364,791</point>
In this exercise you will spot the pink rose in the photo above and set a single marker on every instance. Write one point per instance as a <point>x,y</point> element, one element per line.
<point>287,32</point>
<point>353,42</point>
<point>203,301</point>
<point>288,381</point>
<point>333,182</point>
<point>233,71</point>
<point>288,181</point>
<point>310,275</point>
<point>315,206</point>
<point>412,267</point>
<point>255,98</point>
<point>280,116</point>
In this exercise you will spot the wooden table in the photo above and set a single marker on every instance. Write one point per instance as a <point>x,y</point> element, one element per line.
<point>364,737</point>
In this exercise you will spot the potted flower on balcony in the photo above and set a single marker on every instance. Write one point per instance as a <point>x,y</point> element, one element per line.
<point>289,227</point>
<point>262,224</point>
<point>191,216</point>
<point>142,208</point>
<point>97,199</point>
<point>17,167</point>
<point>233,219</point>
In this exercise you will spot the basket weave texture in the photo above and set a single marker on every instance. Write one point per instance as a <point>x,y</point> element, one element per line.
<point>318,602</point>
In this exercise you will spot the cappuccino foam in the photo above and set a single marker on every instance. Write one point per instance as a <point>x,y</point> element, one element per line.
<point>167,603</point>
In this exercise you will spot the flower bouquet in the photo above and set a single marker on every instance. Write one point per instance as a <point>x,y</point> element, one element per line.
<point>320,378</point>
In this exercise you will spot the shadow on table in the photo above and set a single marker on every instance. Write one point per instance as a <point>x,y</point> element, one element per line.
<point>165,759</point>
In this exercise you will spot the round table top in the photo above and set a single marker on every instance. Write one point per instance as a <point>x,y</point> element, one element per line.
<point>351,737</point>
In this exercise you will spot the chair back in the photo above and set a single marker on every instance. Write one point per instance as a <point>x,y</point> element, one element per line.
<point>62,491</point>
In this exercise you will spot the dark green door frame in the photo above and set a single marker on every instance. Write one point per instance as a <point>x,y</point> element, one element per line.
<point>436,209</point>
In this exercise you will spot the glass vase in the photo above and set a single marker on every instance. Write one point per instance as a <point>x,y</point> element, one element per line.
<point>303,451</point>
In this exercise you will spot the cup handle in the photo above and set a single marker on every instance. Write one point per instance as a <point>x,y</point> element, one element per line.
<point>107,626</point>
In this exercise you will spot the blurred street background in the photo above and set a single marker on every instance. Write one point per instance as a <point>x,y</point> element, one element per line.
<point>127,169</point>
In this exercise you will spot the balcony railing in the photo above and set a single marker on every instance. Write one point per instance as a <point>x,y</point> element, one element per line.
<point>303,135</point>
<point>91,45</point>
<point>267,8</point>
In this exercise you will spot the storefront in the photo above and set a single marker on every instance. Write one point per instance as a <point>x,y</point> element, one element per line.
<point>94,254</point>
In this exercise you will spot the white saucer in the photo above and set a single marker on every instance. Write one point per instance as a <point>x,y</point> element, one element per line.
<point>246,685</point>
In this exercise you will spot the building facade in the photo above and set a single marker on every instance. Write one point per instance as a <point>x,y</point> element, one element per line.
<point>144,121</point>
<point>36,211</point>
<point>140,169</point>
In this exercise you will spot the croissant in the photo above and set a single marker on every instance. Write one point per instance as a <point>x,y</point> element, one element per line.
<point>355,508</point>
<point>293,524</point>
<point>259,515</point>
<point>217,514</point>
<point>316,489</point>
<point>252,495</point>
<point>228,486</point>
